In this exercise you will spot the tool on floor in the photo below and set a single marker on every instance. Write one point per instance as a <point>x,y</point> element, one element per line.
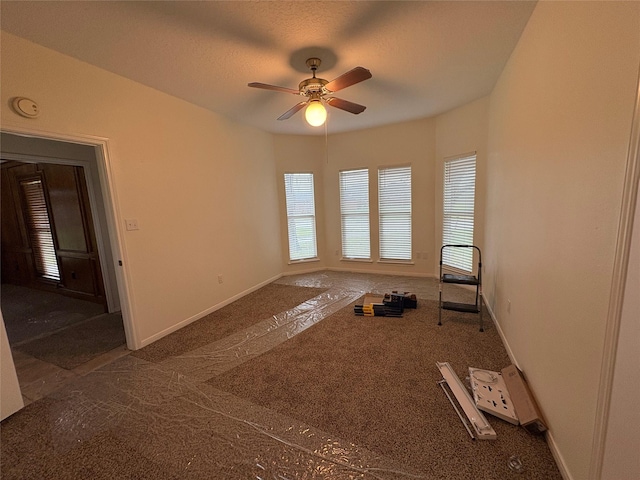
<point>442,384</point>
<point>481,427</point>
<point>387,305</point>
<point>491,395</point>
<point>404,299</point>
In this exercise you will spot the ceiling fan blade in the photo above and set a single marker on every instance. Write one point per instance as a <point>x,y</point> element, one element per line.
<point>345,105</point>
<point>345,80</point>
<point>273,87</point>
<point>289,113</point>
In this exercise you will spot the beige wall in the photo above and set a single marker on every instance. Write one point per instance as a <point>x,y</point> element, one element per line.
<point>423,144</point>
<point>458,132</point>
<point>550,168</point>
<point>205,197</point>
<point>560,118</point>
<point>410,143</point>
<point>10,396</point>
<point>301,154</point>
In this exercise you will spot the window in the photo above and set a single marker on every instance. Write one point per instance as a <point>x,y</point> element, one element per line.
<point>394,203</point>
<point>354,213</point>
<point>44,251</point>
<point>457,215</point>
<point>301,215</point>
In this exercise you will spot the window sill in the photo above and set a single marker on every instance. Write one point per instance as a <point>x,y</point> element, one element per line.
<point>397,262</point>
<point>360,260</point>
<point>304,260</point>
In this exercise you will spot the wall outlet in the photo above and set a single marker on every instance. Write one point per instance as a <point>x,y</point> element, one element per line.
<point>220,278</point>
<point>132,224</point>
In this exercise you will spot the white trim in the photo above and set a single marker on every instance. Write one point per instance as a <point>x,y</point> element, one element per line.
<point>111,205</point>
<point>462,155</point>
<point>303,260</point>
<point>512,357</point>
<point>557,456</point>
<point>616,294</point>
<point>555,452</point>
<point>204,313</point>
<point>357,260</point>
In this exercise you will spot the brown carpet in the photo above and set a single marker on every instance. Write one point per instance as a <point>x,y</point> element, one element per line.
<point>269,300</point>
<point>345,393</point>
<point>78,343</point>
<point>372,381</point>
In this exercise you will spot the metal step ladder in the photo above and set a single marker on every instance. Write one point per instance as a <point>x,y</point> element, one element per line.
<point>461,279</point>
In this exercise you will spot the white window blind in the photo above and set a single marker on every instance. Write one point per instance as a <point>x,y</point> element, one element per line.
<point>44,251</point>
<point>458,211</point>
<point>354,213</point>
<point>394,203</point>
<point>301,215</point>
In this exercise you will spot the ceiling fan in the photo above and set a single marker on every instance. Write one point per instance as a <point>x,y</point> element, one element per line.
<point>317,90</point>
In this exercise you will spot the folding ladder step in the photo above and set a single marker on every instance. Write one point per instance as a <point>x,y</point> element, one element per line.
<point>460,307</point>
<point>460,279</point>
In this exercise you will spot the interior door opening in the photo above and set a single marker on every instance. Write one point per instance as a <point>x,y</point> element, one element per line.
<point>59,296</point>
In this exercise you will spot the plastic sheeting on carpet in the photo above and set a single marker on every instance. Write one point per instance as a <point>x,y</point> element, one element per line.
<point>206,362</point>
<point>167,415</point>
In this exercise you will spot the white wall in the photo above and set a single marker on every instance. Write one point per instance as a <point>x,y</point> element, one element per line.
<point>202,188</point>
<point>560,117</point>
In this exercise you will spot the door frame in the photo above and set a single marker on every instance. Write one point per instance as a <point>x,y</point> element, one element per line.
<point>629,204</point>
<point>116,285</point>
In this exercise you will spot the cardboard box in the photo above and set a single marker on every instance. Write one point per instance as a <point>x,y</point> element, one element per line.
<point>525,405</point>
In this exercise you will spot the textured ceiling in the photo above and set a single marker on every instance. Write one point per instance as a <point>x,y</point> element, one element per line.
<point>425,57</point>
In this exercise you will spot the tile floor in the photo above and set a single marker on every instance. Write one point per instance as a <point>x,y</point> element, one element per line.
<point>32,314</point>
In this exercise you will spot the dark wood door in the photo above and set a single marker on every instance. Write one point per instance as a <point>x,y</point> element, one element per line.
<point>71,230</point>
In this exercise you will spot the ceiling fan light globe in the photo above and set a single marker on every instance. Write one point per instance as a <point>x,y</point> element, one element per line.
<point>315,113</point>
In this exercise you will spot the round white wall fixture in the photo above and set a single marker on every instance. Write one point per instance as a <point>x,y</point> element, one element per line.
<point>25,107</point>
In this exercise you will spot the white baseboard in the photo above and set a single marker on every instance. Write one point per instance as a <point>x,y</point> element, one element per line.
<point>512,357</point>
<point>302,272</point>
<point>555,452</point>
<point>557,456</point>
<point>226,302</point>
<point>206,312</point>
<point>381,272</point>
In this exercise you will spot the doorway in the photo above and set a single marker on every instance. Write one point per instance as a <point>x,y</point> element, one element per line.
<point>60,296</point>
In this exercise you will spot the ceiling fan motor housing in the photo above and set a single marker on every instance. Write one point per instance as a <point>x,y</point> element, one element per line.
<point>313,85</point>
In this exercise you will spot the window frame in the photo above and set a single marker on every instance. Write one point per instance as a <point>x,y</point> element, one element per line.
<point>387,202</point>
<point>352,225</point>
<point>306,214</point>
<point>39,227</point>
<point>458,211</point>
